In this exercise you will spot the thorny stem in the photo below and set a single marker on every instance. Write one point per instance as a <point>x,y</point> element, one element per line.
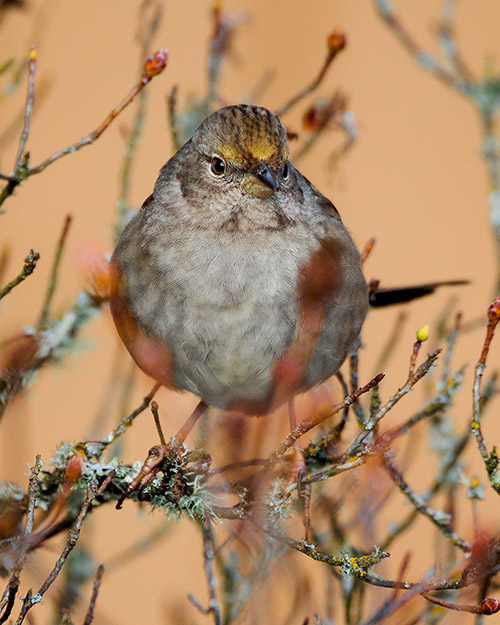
<point>413,359</point>
<point>29,266</point>
<point>95,134</point>
<point>51,287</point>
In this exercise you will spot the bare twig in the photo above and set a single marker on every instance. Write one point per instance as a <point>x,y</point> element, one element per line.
<point>440,519</point>
<point>448,41</point>
<point>384,409</point>
<point>490,460</point>
<point>393,604</point>
<point>487,606</point>
<point>21,162</point>
<point>30,600</point>
<point>153,66</point>
<point>127,421</point>
<point>336,42</point>
<point>146,31</point>
<point>89,617</point>
<point>208,558</point>
<point>154,410</point>
<point>29,266</point>
<point>308,424</point>
<point>30,98</point>
<point>9,596</point>
<point>172,118</point>
<point>450,78</point>
<point>51,286</point>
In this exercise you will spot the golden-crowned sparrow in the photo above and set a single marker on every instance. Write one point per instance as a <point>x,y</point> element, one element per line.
<point>237,280</point>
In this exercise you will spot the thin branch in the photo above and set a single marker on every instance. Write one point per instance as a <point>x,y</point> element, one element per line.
<point>440,519</point>
<point>173,121</point>
<point>491,460</point>
<point>487,606</point>
<point>208,559</point>
<point>154,410</point>
<point>127,421</point>
<point>336,42</point>
<point>29,266</point>
<point>308,424</point>
<point>153,66</point>
<point>30,98</point>
<point>424,58</point>
<point>146,31</point>
<point>51,286</point>
<point>30,600</point>
<point>448,41</point>
<point>401,392</point>
<point>13,585</point>
<point>391,605</point>
<point>89,617</point>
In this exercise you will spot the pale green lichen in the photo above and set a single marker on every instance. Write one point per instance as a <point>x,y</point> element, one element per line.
<point>10,491</point>
<point>193,504</point>
<point>279,501</point>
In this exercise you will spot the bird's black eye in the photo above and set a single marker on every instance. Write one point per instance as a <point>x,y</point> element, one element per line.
<point>217,166</point>
<point>285,171</point>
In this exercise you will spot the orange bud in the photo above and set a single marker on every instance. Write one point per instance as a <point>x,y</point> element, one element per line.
<point>97,271</point>
<point>336,41</point>
<point>489,606</point>
<point>74,468</point>
<point>314,116</point>
<point>494,311</point>
<point>156,63</point>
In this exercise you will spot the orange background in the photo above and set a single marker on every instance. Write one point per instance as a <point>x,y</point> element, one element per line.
<point>415,180</point>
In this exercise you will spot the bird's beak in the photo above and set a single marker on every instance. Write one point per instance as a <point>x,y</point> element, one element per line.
<point>261,184</point>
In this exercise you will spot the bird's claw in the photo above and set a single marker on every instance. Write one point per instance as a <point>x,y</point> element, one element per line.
<point>150,468</point>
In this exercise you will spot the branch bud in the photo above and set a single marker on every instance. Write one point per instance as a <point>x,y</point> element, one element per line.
<point>489,606</point>
<point>494,311</point>
<point>336,41</point>
<point>422,334</point>
<point>156,63</point>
